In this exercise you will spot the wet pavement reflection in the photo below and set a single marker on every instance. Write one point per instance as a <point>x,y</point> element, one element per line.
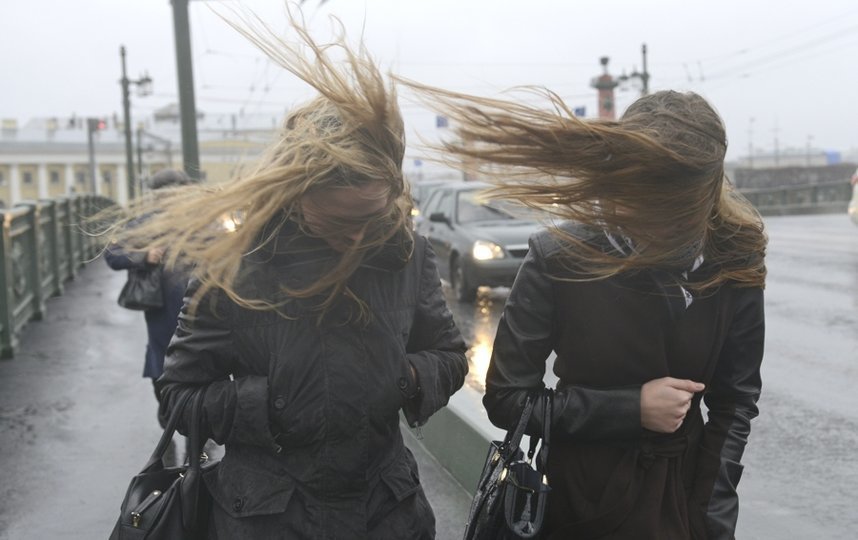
<point>478,322</point>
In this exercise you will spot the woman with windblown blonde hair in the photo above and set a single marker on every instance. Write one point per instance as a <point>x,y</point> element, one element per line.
<point>649,288</point>
<point>316,321</point>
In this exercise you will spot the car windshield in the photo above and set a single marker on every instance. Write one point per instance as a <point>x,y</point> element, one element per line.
<point>473,207</point>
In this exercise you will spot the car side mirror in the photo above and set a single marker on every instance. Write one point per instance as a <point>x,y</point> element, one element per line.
<point>439,217</point>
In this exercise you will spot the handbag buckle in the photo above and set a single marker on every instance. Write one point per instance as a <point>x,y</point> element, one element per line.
<point>137,513</point>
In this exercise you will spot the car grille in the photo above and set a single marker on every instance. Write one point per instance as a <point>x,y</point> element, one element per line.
<point>517,251</point>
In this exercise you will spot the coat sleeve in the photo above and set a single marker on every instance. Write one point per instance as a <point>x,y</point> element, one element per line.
<point>435,349</point>
<point>731,398</point>
<point>202,354</point>
<point>119,259</point>
<point>525,338</point>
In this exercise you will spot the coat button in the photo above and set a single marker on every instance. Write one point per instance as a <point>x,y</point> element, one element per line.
<point>279,403</point>
<point>237,504</point>
<point>403,383</point>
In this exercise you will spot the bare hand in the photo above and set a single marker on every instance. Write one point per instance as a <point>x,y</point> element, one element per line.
<point>665,402</point>
<point>153,256</point>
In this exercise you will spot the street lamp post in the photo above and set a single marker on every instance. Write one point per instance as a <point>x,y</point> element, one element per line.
<point>144,87</point>
<point>642,76</point>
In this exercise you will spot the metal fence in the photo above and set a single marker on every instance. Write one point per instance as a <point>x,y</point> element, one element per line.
<point>823,198</point>
<point>44,244</point>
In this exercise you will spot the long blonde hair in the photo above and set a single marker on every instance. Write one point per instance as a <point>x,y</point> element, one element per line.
<point>656,176</point>
<point>350,135</point>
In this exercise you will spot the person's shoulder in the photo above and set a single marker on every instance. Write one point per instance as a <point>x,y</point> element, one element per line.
<point>553,239</point>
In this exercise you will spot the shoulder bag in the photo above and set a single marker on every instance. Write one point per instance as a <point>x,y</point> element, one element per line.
<point>512,493</point>
<point>169,503</point>
<point>142,291</point>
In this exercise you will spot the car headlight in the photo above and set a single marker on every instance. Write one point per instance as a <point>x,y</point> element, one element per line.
<point>484,250</point>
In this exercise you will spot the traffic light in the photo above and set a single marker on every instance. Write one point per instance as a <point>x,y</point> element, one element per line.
<point>96,124</point>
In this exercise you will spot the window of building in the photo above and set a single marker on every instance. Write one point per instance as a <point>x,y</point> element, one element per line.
<point>106,176</point>
<point>28,178</point>
<point>80,176</point>
<point>55,177</point>
<point>2,179</point>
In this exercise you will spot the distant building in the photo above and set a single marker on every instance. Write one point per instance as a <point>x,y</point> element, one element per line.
<point>48,157</point>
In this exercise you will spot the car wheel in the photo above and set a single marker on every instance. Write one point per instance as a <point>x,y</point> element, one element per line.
<point>463,290</point>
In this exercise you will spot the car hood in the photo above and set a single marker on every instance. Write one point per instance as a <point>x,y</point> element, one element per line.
<point>504,233</point>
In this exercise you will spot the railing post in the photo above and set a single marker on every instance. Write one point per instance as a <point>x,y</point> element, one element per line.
<point>7,309</point>
<point>33,249</point>
<point>80,240</point>
<point>65,250</point>
<point>50,242</point>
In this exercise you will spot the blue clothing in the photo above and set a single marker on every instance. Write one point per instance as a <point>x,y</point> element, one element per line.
<point>160,323</point>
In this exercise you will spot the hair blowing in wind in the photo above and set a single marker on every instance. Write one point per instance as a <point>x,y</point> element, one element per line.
<point>350,134</point>
<point>656,177</point>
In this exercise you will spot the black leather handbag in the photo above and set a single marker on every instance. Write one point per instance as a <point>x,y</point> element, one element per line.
<point>143,290</point>
<point>512,493</point>
<point>169,503</point>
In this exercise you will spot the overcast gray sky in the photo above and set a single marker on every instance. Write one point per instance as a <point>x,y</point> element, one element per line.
<point>790,66</point>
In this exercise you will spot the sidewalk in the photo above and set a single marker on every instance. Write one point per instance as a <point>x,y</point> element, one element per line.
<point>77,420</point>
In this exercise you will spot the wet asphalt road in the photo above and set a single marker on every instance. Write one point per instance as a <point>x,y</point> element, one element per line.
<point>801,464</point>
<point>76,420</point>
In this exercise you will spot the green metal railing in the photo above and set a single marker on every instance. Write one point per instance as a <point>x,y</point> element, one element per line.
<point>44,243</point>
<point>820,198</point>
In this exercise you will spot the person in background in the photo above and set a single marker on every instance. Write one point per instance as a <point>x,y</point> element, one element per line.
<point>320,318</point>
<point>160,322</point>
<point>649,288</point>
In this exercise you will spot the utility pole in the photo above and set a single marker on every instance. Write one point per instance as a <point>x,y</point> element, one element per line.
<point>144,85</point>
<point>751,142</point>
<point>775,131</point>
<point>187,105</point>
<point>645,74</point>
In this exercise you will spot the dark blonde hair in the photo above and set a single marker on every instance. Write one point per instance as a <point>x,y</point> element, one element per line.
<point>350,135</point>
<point>656,176</point>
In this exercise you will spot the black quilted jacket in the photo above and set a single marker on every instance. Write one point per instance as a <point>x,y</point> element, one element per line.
<point>309,411</point>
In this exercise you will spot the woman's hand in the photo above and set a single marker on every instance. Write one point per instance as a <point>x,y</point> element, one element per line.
<point>153,256</point>
<point>665,401</point>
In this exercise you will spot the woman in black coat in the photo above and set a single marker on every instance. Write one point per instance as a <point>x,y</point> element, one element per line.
<point>160,322</point>
<point>315,322</point>
<point>649,290</point>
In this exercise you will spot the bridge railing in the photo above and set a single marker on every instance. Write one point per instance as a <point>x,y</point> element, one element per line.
<point>43,245</point>
<point>822,198</point>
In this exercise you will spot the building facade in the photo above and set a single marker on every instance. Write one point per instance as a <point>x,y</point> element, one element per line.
<point>48,158</point>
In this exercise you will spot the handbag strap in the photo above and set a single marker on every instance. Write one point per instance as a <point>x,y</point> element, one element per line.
<point>157,456</point>
<point>513,438</point>
<point>547,418</point>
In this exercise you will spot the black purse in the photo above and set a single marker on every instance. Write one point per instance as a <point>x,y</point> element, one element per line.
<point>143,290</point>
<point>169,503</point>
<point>511,494</point>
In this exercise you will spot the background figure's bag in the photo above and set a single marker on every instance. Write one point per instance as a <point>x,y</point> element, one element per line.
<point>169,503</point>
<point>142,291</point>
<point>511,494</point>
